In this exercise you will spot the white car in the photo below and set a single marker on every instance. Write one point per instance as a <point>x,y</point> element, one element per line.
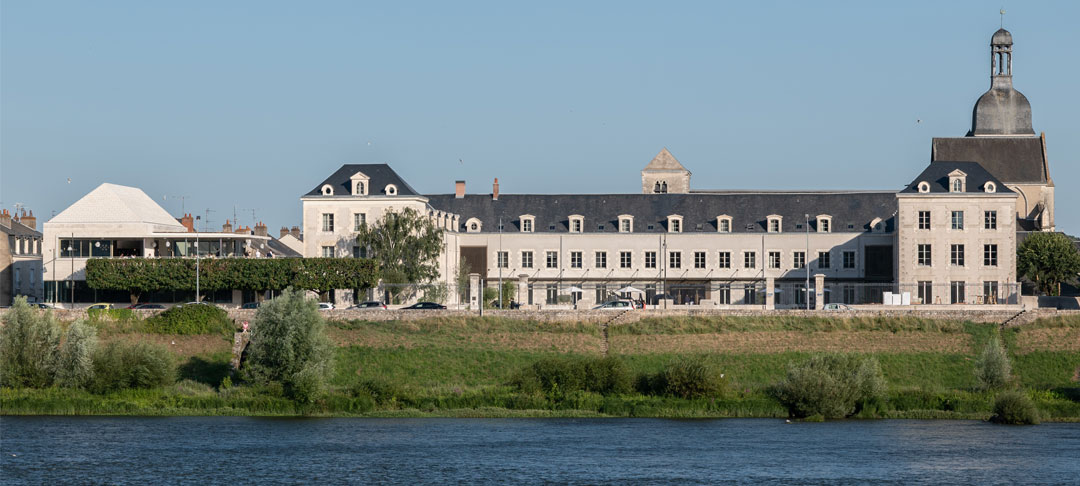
<point>838,307</point>
<point>615,305</point>
<point>326,306</point>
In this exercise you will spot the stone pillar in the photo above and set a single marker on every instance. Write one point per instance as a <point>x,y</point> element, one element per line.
<point>819,291</point>
<point>240,341</point>
<point>475,292</point>
<point>770,295</point>
<point>523,289</point>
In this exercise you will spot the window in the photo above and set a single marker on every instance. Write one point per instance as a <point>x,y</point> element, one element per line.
<point>849,294</point>
<point>957,220</point>
<point>990,255</point>
<point>359,251</point>
<point>552,296</point>
<point>650,259</point>
<point>957,185</point>
<point>990,220</point>
<point>575,259</point>
<point>957,181</point>
<point>526,259</point>
<point>749,259</point>
<point>774,259</point>
<point>924,220</point>
<point>749,294</point>
<point>675,259</point>
<point>359,221</point>
<point>924,187</point>
<point>824,259</point>
<point>626,224</point>
<point>723,224</point>
<point>925,290</point>
<point>390,190</point>
<point>990,292</point>
<point>957,292</point>
<point>552,259</point>
<point>799,260</point>
<point>699,259</point>
<point>327,252</point>
<point>601,293</point>
<point>824,224</point>
<point>773,225</point>
<point>473,225</point>
<point>601,259</point>
<point>576,223</point>
<point>328,222</point>
<point>526,224</point>
<point>924,255</point>
<point>725,259</point>
<point>327,190</point>
<point>849,259</point>
<point>990,187</point>
<point>956,255</point>
<point>723,294</point>
<point>675,224</point>
<point>503,259</point>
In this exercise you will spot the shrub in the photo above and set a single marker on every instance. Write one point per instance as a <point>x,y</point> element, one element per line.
<point>1014,407</point>
<point>28,344</point>
<point>289,346</point>
<point>831,385</point>
<point>992,368</point>
<point>559,376</point>
<point>381,391</point>
<point>120,365</point>
<point>75,364</point>
<point>112,314</point>
<point>685,378</point>
<point>190,319</point>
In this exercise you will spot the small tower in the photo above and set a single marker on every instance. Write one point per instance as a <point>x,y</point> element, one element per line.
<point>665,174</point>
<point>1002,110</point>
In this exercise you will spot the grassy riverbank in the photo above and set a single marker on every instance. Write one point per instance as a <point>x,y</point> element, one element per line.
<point>463,367</point>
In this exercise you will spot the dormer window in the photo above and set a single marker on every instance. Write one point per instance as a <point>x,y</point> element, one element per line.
<point>390,190</point>
<point>989,187</point>
<point>824,223</point>
<point>674,223</point>
<point>877,225</point>
<point>774,223</point>
<point>626,223</point>
<point>473,225</point>
<point>957,181</point>
<point>577,223</point>
<point>723,224</point>
<point>359,184</point>
<point>327,190</point>
<point>924,187</point>
<point>528,222</point>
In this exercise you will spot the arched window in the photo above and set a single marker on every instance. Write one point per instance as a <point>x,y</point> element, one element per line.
<point>924,187</point>
<point>391,190</point>
<point>957,185</point>
<point>656,188</point>
<point>990,187</point>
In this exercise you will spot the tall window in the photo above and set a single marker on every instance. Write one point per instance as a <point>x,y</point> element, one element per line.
<point>774,259</point>
<point>849,259</point>
<point>956,292</point>
<point>526,259</point>
<point>957,185</point>
<point>957,220</point>
<point>774,225</point>
<point>502,259</point>
<point>552,297</point>
<point>725,226</point>
<point>359,221</point>
<point>553,259</point>
<point>526,226</point>
<point>990,292</point>
<point>699,259</point>
<point>601,259</point>
<point>359,251</point>
<point>925,289</point>
<point>601,293</point>
<point>824,225</point>
<point>924,255</point>
<point>650,259</point>
<point>328,222</point>
<point>624,225</point>
<point>990,220</point>
<point>675,259</point>
<point>575,226</point>
<point>823,259</point>
<point>625,259</point>
<point>328,252</point>
<point>575,259</point>
<point>723,294</point>
<point>799,260</point>
<point>956,255</point>
<point>676,226</point>
<point>924,220</point>
<point>990,255</point>
<point>725,259</point>
<point>749,259</point>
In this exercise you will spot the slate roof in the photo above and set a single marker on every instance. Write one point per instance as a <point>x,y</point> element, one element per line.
<point>937,174</point>
<point>19,229</point>
<point>747,209</point>
<point>380,175</point>
<point>113,204</point>
<point>281,250</point>
<point>1011,159</point>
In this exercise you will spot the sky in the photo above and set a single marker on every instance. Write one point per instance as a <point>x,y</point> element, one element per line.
<point>241,107</point>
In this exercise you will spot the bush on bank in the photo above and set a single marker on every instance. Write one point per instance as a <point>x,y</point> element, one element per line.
<point>121,365</point>
<point>31,353</point>
<point>190,319</point>
<point>289,347</point>
<point>1014,408</point>
<point>830,385</point>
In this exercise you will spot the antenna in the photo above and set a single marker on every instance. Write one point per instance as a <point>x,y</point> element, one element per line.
<point>183,208</point>
<point>206,219</point>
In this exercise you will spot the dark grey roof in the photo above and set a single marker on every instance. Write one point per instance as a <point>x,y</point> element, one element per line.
<point>280,250</point>
<point>380,174</point>
<point>19,229</point>
<point>937,174</point>
<point>699,210</point>
<point>1011,159</point>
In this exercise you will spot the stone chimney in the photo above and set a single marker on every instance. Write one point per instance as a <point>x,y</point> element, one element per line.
<point>295,231</point>
<point>260,229</point>
<point>495,190</point>
<point>459,189</point>
<point>5,218</point>
<point>188,222</point>
<point>284,231</point>
<point>243,230</point>
<point>29,220</point>
<point>227,227</point>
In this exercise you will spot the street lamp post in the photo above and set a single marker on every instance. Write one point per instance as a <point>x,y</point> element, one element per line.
<point>71,278</point>
<point>498,262</point>
<point>197,218</point>
<point>806,261</point>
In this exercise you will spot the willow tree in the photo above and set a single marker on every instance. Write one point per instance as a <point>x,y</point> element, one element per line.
<point>406,245</point>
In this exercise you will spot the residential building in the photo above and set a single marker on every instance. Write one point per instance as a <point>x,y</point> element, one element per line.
<point>20,257</point>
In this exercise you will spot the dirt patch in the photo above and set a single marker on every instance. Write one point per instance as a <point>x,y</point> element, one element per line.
<point>777,342</point>
<point>1048,339</point>
<point>179,345</point>
<point>522,341</point>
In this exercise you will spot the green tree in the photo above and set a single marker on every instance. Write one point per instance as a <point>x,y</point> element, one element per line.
<point>992,368</point>
<point>29,341</point>
<point>830,385</point>
<point>406,244</point>
<point>75,364</point>
<point>1048,259</point>
<point>289,346</point>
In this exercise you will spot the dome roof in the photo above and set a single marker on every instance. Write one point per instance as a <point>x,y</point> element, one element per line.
<point>1000,37</point>
<point>1002,111</point>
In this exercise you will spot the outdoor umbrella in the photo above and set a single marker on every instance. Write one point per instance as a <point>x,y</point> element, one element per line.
<point>628,289</point>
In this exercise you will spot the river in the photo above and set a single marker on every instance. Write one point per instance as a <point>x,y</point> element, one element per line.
<point>239,450</point>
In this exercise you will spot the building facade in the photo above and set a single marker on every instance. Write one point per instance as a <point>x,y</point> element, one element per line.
<point>20,258</point>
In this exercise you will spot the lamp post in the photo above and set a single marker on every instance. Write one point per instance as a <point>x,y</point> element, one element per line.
<point>498,262</point>
<point>197,218</point>
<point>71,278</point>
<point>806,261</point>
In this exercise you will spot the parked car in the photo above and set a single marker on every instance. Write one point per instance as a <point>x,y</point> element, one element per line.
<point>838,307</point>
<point>195,303</point>
<point>424,305</point>
<point>147,306</point>
<point>42,305</point>
<point>250,305</point>
<point>615,305</point>
<point>100,306</point>
<point>371,304</point>
<point>326,306</point>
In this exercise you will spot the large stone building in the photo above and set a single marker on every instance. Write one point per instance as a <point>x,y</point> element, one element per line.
<point>949,237</point>
<point>20,257</point>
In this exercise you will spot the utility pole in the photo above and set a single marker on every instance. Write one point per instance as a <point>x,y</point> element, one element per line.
<point>806,261</point>
<point>197,218</point>
<point>71,278</point>
<point>498,262</point>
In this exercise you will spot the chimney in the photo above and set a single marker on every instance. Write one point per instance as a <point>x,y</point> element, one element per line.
<point>260,229</point>
<point>188,223</point>
<point>459,189</point>
<point>295,231</point>
<point>243,230</point>
<point>495,190</point>
<point>29,221</point>
<point>226,228</point>
<point>284,231</point>
<point>5,218</point>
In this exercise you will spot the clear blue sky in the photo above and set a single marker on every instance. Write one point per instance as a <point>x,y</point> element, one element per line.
<point>253,103</point>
